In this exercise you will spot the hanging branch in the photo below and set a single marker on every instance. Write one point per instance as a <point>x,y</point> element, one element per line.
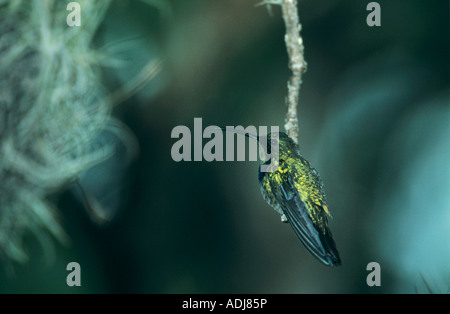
<point>297,63</point>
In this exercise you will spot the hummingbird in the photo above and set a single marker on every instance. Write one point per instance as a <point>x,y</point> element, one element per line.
<point>294,189</point>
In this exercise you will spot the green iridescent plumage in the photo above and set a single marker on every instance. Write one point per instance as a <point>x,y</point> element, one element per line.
<point>294,189</point>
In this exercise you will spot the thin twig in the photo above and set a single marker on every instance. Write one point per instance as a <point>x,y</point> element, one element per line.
<point>297,64</point>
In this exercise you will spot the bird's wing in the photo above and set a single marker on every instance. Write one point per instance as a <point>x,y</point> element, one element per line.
<point>320,245</point>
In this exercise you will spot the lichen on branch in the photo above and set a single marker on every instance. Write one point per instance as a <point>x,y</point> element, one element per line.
<point>297,63</point>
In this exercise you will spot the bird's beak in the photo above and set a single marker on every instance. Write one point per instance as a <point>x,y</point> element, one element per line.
<point>249,135</point>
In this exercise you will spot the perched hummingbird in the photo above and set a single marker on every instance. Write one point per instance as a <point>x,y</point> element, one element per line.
<point>294,189</point>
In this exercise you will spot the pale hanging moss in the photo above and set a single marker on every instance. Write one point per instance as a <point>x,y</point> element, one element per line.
<point>52,109</point>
